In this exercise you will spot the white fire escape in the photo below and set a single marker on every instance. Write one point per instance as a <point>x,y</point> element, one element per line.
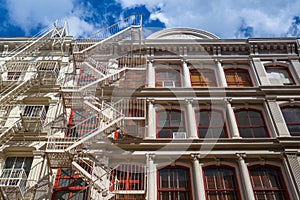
<point>20,74</point>
<point>69,147</point>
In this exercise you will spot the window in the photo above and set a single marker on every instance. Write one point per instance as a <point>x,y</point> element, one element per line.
<point>238,77</point>
<point>210,124</point>
<point>80,123</point>
<point>251,124</point>
<point>220,183</point>
<point>279,75</point>
<point>174,184</point>
<point>292,119</point>
<point>267,183</point>
<point>128,177</point>
<point>68,185</point>
<point>15,172</point>
<point>169,122</point>
<point>13,76</point>
<point>133,79</point>
<point>203,78</point>
<point>167,78</point>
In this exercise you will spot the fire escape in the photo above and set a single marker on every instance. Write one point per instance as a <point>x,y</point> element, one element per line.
<point>19,74</point>
<point>88,87</point>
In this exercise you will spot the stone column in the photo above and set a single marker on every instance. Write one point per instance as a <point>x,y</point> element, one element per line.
<point>223,82</point>
<point>151,173</point>
<point>246,182</point>
<point>191,120</point>
<point>150,74</point>
<point>151,132</point>
<point>36,166</point>
<point>260,72</point>
<point>231,119</point>
<point>198,177</point>
<point>186,74</point>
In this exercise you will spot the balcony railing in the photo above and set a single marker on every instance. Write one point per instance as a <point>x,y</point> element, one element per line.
<point>13,181</point>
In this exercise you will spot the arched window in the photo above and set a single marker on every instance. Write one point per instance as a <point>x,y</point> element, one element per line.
<point>267,183</point>
<point>292,119</point>
<point>238,77</point>
<point>220,183</point>
<point>174,183</point>
<point>279,75</point>
<point>251,124</point>
<point>203,78</point>
<point>211,124</point>
<point>168,78</point>
<point>170,123</point>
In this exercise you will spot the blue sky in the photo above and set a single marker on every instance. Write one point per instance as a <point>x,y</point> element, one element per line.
<point>224,18</point>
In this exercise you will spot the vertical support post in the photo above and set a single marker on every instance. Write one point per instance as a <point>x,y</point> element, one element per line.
<point>191,121</point>
<point>186,74</point>
<point>150,74</point>
<point>198,177</point>
<point>151,133</point>
<point>231,119</point>
<point>151,173</point>
<point>222,76</point>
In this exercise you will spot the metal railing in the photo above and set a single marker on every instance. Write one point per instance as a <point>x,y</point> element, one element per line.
<point>14,178</point>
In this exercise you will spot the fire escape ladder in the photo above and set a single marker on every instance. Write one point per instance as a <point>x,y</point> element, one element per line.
<point>18,90</point>
<point>9,132</point>
<point>116,32</point>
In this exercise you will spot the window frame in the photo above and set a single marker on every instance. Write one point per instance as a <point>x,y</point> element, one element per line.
<point>178,83</point>
<point>291,123</point>
<point>188,190</point>
<point>264,188</point>
<point>168,111</point>
<point>284,68</point>
<point>252,128</point>
<point>238,83</point>
<point>235,180</point>
<point>203,84</point>
<point>71,188</point>
<point>223,127</point>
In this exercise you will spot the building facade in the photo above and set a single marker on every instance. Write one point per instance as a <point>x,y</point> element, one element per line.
<point>179,115</point>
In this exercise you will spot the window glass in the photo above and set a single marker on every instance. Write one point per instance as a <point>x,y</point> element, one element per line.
<point>279,75</point>
<point>220,183</point>
<point>211,124</point>
<point>174,183</point>
<point>268,183</point>
<point>168,122</point>
<point>203,78</point>
<point>168,78</point>
<point>251,124</point>
<point>292,119</point>
<point>238,77</point>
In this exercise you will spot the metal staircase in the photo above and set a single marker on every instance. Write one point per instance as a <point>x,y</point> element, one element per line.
<point>65,147</point>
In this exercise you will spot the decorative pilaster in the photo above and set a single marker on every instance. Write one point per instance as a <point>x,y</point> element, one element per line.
<point>249,194</point>
<point>222,76</point>
<point>260,72</point>
<point>191,121</point>
<point>277,117</point>
<point>186,74</point>
<point>292,163</point>
<point>150,74</point>
<point>151,132</point>
<point>198,177</point>
<point>151,173</point>
<point>296,66</point>
<point>231,119</point>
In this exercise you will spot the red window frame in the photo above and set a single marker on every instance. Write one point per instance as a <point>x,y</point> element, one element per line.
<point>282,68</point>
<point>251,129</point>
<point>166,77</point>
<point>222,185</point>
<point>176,186</point>
<point>206,78</point>
<point>77,116</point>
<point>238,77</point>
<point>266,181</point>
<point>168,119</point>
<point>210,125</point>
<point>70,182</point>
<point>127,177</point>
<point>292,119</point>
<point>85,78</point>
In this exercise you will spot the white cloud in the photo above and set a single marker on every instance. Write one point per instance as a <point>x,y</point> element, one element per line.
<point>30,14</point>
<point>224,18</point>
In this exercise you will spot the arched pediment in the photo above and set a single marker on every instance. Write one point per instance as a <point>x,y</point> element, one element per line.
<point>182,33</point>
